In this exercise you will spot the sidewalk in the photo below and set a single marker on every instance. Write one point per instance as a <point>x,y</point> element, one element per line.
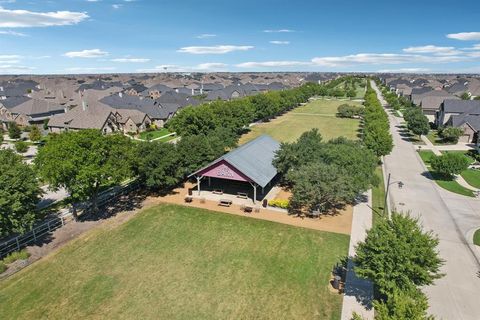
<point>358,292</point>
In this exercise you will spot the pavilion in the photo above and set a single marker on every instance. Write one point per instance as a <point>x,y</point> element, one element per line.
<point>250,163</point>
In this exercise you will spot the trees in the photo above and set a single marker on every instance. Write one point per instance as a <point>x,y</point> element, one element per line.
<point>418,124</point>
<point>157,165</point>
<point>403,305</point>
<point>14,131</point>
<point>325,175</point>
<point>451,134</point>
<point>376,134</point>
<point>319,186</point>
<point>348,111</point>
<point>450,164</point>
<point>84,161</point>
<point>398,254</point>
<point>19,194</point>
<point>35,134</point>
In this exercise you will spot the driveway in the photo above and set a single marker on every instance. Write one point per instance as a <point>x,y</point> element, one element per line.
<point>451,217</point>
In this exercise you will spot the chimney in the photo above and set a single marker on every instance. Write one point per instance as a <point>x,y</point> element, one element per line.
<point>120,94</point>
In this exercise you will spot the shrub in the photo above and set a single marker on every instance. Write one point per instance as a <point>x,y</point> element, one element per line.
<point>279,203</point>
<point>17,255</point>
<point>450,134</point>
<point>21,146</point>
<point>35,134</point>
<point>450,164</point>
<point>13,130</point>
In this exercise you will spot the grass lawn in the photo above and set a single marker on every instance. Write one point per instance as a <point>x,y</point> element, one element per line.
<point>472,177</point>
<point>378,196</point>
<point>175,262</point>
<point>476,237</point>
<point>153,134</point>
<point>318,114</point>
<point>450,185</point>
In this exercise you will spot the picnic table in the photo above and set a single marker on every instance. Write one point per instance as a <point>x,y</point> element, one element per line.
<point>225,202</point>
<point>242,195</point>
<point>217,191</point>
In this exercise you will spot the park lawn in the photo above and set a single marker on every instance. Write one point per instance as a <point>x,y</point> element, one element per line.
<point>153,134</point>
<point>447,184</point>
<point>318,114</point>
<point>176,262</point>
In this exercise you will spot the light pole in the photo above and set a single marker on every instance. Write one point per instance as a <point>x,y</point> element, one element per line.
<point>400,185</point>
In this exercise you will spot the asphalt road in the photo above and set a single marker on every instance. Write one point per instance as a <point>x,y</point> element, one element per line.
<point>451,217</point>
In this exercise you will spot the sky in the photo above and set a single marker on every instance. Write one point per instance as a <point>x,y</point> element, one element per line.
<point>118,36</point>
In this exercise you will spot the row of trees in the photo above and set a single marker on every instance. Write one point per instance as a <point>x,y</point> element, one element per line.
<point>325,175</point>
<point>399,258</point>
<point>349,111</point>
<point>237,114</point>
<point>376,128</point>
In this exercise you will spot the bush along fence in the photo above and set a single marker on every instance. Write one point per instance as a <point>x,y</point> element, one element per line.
<point>46,227</point>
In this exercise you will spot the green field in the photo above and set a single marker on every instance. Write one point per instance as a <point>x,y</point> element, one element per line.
<point>318,114</point>
<point>450,185</point>
<point>175,262</point>
<point>359,90</point>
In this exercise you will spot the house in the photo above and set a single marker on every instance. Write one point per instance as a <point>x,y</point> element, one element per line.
<point>101,117</point>
<point>464,114</point>
<point>431,101</point>
<point>35,111</point>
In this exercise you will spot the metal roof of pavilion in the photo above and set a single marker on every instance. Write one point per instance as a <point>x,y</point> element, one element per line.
<point>253,159</point>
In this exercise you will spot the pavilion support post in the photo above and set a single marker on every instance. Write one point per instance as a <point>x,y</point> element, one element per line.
<point>254,193</point>
<point>209,181</point>
<point>199,179</point>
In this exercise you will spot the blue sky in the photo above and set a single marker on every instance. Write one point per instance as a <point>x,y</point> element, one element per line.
<point>103,36</point>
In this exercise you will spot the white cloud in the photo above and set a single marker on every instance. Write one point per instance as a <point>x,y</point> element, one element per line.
<point>465,36</point>
<point>206,35</point>
<point>131,60</point>
<point>433,49</point>
<point>117,6</point>
<point>25,18</point>
<point>92,0</point>
<point>279,31</point>
<point>9,56</point>
<point>272,64</point>
<point>92,53</point>
<point>13,33</point>
<point>212,66</point>
<point>404,70</point>
<point>15,69</point>
<point>279,42</point>
<point>382,58</point>
<point>220,49</point>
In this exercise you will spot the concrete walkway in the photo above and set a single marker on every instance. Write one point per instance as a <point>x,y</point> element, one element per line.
<point>358,292</point>
<point>448,215</point>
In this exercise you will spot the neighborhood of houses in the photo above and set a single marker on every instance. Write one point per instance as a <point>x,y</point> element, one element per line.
<point>129,104</point>
<point>447,100</point>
